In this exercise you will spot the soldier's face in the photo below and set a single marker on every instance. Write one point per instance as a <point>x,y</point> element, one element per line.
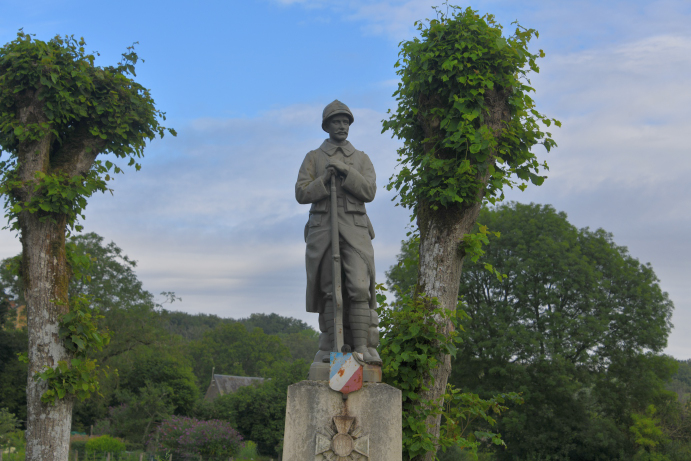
<point>337,127</point>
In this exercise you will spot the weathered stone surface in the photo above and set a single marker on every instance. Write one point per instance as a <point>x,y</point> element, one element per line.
<point>311,433</point>
<point>337,180</point>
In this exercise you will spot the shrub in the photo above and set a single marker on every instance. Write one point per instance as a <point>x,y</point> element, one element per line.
<point>78,442</point>
<point>105,444</point>
<point>79,445</point>
<point>16,440</point>
<point>8,424</point>
<point>249,451</point>
<point>259,412</point>
<point>192,437</point>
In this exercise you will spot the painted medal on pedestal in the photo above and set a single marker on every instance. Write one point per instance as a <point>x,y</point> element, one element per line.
<point>346,373</point>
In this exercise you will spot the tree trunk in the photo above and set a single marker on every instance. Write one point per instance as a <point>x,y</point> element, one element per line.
<point>441,261</point>
<point>46,276</point>
<point>441,255</point>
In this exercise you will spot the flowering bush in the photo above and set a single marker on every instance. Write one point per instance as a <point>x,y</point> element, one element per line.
<point>189,437</point>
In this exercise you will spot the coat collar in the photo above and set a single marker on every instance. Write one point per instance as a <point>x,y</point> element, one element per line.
<point>329,148</point>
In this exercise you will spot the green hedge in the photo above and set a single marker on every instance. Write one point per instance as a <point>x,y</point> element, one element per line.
<point>105,444</point>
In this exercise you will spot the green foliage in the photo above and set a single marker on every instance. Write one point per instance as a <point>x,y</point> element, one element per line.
<point>190,327</point>
<point>301,340</point>
<point>258,412</point>
<point>648,456</point>
<point>108,276</point>
<point>249,451</point>
<point>457,454</point>
<point>302,345</point>
<point>154,386</point>
<point>153,348</point>
<point>412,340</point>
<point>403,274</point>
<point>105,444</point>
<point>448,77</point>
<point>472,247</point>
<point>684,372</point>
<point>80,334</point>
<point>79,330</point>
<point>576,326</point>
<point>232,350</point>
<point>16,440</point>
<point>100,109</point>
<point>681,382</point>
<point>189,438</point>
<point>10,279</point>
<point>8,425</point>
<point>129,313</point>
<point>646,429</point>
<point>578,285</point>
<point>13,372</point>
<point>76,111</point>
<point>274,324</point>
<point>172,375</point>
<point>52,195</point>
<point>137,413</point>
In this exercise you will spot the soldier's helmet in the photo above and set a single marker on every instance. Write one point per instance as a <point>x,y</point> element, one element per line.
<point>335,108</point>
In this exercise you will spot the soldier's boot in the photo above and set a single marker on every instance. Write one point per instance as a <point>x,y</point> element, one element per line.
<point>373,337</point>
<point>360,323</point>
<point>326,338</point>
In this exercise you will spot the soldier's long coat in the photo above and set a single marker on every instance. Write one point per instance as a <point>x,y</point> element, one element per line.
<point>353,223</point>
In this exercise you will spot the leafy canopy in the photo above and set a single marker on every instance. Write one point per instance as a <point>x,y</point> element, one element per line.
<point>80,109</point>
<point>576,326</point>
<point>448,76</point>
<point>411,344</point>
<point>568,292</point>
<point>232,350</point>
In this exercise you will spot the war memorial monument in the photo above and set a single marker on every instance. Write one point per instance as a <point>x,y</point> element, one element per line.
<point>342,411</point>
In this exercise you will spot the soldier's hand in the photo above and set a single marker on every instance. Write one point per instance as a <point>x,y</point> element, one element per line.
<point>326,177</point>
<point>341,167</point>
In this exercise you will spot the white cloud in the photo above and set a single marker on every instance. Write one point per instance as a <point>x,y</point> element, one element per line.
<point>625,113</point>
<point>569,25</point>
<point>623,159</point>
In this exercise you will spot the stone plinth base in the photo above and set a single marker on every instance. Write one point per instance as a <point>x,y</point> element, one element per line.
<point>321,426</point>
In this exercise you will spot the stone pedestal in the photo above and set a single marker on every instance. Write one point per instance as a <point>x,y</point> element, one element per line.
<point>322,426</point>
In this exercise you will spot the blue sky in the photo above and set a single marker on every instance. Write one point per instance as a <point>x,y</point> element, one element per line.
<point>212,215</point>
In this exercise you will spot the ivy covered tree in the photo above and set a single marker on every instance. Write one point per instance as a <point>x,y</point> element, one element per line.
<point>468,126</point>
<point>58,113</point>
<point>578,326</point>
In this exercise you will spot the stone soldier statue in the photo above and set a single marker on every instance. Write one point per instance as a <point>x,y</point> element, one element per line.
<point>355,185</point>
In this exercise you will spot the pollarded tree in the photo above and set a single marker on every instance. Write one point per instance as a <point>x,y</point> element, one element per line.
<point>58,113</point>
<point>468,126</point>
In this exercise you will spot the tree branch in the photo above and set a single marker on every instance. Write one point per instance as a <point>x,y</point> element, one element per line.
<point>78,151</point>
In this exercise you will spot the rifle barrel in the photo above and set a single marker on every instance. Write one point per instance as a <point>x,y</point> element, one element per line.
<point>336,272</point>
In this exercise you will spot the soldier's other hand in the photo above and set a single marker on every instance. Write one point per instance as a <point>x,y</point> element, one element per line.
<point>326,177</point>
<point>341,167</point>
